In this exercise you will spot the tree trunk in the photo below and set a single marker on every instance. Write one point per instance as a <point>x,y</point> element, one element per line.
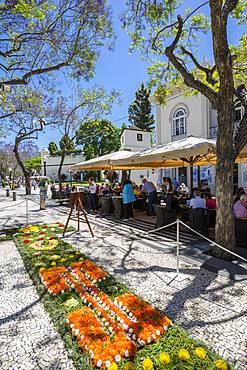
<point>21,164</point>
<point>60,170</point>
<point>225,228</point>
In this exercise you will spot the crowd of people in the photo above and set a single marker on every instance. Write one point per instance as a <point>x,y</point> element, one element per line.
<point>170,191</point>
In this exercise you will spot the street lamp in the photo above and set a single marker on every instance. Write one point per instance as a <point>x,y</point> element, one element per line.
<point>44,154</point>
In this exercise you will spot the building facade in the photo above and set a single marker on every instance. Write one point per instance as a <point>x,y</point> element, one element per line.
<point>134,139</point>
<point>193,115</point>
<point>50,165</point>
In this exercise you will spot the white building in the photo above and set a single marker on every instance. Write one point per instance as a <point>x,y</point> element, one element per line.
<point>194,115</point>
<point>50,164</point>
<point>134,139</point>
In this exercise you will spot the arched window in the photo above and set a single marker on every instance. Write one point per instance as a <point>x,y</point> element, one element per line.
<point>179,122</point>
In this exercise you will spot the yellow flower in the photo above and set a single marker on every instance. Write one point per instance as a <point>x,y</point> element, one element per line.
<point>129,366</point>
<point>201,353</point>
<point>221,365</point>
<point>183,354</point>
<point>41,269</point>
<point>113,366</point>
<point>53,263</point>
<point>165,358</point>
<point>81,259</point>
<point>63,260</point>
<point>147,364</point>
<point>71,256</point>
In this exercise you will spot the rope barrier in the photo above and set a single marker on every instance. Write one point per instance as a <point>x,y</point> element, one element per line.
<point>199,234</point>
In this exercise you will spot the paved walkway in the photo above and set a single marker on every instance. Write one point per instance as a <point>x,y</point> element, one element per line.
<point>28,340</point>
<point>211,307</point>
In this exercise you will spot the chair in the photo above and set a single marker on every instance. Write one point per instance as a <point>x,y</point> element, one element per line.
<point>241,232</point>
<point>106,205</point>
<point>199,220</point>
<point>117,203</point>
<point>164,216</point>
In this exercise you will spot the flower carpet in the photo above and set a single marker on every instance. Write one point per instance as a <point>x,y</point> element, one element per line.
<point>103,324</point>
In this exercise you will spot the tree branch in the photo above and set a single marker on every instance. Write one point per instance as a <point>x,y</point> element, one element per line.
<point>25,79</point>
<point>209,72</point>
<point>189,79</point>
<point>228,7</point>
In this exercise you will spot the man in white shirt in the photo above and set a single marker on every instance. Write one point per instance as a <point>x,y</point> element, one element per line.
<point>92,194</point>
<point>198,202</point>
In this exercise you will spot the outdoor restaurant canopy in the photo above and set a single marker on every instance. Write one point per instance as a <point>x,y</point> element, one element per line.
<point>102,162</point>
<point>185,152</point>
<point>191,151</point>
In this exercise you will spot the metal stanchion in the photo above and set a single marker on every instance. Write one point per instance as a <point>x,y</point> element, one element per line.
<point>177,247</point>
<point>7,192</point>
<point>14,195</point>
<point>27,221</point>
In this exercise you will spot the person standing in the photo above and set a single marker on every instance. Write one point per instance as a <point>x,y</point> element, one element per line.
<point>43,187</point>
<point>149,188</point>
<point>92,194</point>
<point>128,199</point>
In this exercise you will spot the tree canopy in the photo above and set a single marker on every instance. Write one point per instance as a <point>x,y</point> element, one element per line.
<point>38,37</point>
<point>140,111</point>
<point>98,137</point>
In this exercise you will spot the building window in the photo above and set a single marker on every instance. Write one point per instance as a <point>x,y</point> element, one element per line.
<point>239,112</point>
<point>139,137</point>
<point>179,122</point>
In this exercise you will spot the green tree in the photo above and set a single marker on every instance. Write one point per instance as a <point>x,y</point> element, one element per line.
<point>140,111</point>
<point>53,149</point>
<point>165,30</point>
<point>33,164</point>
<point>98,137</point>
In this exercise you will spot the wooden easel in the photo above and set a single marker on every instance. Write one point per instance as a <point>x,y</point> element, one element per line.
<point>75,202</point>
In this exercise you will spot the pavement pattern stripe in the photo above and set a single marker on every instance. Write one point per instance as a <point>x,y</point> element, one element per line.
<point>28,340</point>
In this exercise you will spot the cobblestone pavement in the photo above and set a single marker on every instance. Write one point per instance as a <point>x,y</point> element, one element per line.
<point>28,340</point>
<point>212,308</point>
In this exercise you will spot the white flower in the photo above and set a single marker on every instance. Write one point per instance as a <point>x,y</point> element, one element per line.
<point>130,314</point>
<point>76,331</point>
<point>157,332</point>
<point>99,363</point>
<point>91,353</point>
<point>120,304</point>
<point>82,337</point>
<point>165,327</point>
<point>107,363</point>
<point>121,321</point>
<point>126,353</point>
<point>131,331</point>
<point>124,308</point>
<point>72,286</point>
<point>72,325</point>
<point>67,321</point>
<point>133,337</point>
<point>149,340</point>
<point>153,336</point>
<point>62,291</point>
<point>99,314</point>
<point>117,358</point>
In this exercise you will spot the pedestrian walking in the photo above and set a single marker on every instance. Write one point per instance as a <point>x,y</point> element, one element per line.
<point>43,188</point>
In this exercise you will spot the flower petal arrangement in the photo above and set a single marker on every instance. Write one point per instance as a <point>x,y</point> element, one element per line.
<point>114,329</point>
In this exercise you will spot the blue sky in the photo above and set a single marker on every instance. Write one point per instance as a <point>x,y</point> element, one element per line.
<point>125,72</point>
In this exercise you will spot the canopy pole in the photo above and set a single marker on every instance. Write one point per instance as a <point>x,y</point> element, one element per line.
<point>191,180</point>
